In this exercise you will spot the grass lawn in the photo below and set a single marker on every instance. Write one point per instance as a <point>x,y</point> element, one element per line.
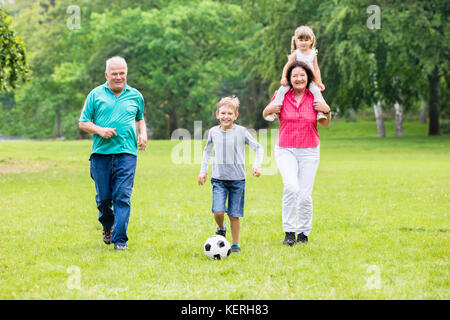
<point>380,226</point>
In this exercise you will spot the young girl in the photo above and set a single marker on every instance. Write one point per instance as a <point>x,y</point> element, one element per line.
<point>303,48</point>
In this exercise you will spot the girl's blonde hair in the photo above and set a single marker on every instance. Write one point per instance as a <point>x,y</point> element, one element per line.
<point>232,101</point>
<point>303,32</point>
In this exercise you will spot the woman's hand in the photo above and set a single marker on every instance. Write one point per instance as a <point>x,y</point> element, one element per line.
<point>321,106</point>
<point>274,108</point>
<point>271,108</point>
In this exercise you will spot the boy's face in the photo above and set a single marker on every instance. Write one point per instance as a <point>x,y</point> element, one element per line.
<point>226,116</point>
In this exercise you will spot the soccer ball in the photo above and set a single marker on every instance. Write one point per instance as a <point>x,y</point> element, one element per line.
<point>217,247</point>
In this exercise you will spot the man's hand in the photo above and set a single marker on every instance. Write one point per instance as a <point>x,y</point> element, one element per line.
<point>142,141</point>
<point>256,172</point>
<point>107,133</point>
<point>202,178</point>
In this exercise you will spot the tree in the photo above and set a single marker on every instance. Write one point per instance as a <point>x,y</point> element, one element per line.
<point>13,64</point>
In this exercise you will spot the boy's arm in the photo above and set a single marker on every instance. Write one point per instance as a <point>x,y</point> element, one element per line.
<point>292,57</point>
<point>205,160</point>
<point>259,152</point>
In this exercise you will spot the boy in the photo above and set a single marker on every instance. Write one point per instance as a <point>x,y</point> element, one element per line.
<point>228,168</point>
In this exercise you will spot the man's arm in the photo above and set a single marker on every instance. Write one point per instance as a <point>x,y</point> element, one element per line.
<point>142,137</point>
<point>90,127</point>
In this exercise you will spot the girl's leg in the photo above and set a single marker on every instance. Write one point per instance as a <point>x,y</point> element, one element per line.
<point>317,97</point>
<point>280,94</point>
<point>278,100</point>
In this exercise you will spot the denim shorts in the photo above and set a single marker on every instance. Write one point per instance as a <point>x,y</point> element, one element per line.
<point>235,190</point>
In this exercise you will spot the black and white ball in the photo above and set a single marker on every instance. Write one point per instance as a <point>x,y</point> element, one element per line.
<point>217,247</point>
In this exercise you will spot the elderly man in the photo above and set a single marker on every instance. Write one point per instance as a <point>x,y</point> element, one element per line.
<point>111,113</point>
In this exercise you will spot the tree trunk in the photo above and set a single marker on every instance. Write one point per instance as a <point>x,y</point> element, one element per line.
<point>173,122</point>
<point>58,123</point>
<point>433,127</point>
<point>379,119</point>
<point>398,119</point>
<point>423,111</point>
<point>351,115</point>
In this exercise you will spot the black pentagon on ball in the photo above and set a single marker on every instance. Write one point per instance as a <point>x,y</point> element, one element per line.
<point>207,247</point>
<point>228,253</point>
<point>221,244</point>
<point>217,256</point>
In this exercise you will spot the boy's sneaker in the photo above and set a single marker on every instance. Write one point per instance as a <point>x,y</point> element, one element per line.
<point>320,116</point>
<point>107,235</point>
<point>121,247</point>
<point>289,239</point>
<point>235,248</point>
<point>302,238</point>
<point>221,232</point>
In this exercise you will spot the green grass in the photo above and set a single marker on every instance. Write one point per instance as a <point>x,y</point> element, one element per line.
<point>380,226</point>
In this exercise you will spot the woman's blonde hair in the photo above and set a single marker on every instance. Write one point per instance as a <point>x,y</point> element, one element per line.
<point>232,101</point>
<point>303,32</point>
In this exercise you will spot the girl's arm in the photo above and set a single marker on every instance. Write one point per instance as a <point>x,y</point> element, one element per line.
<point>292,57</point>
<point>317,75</point>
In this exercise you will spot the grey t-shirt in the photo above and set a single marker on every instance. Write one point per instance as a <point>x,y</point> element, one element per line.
<point>229,152</point>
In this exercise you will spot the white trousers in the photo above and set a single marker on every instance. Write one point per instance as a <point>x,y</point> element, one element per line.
<point>298,167</point>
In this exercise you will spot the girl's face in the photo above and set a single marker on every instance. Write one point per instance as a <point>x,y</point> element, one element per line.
<point>299,79</point>
<point>226,116</point>
<point>304,43</point>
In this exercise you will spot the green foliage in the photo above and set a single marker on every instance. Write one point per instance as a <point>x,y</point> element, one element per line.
<point>13,63</point>
<point>184,55</point>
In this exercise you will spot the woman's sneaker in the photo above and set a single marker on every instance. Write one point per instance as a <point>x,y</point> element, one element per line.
<point>289,239</point>
<point>302,238</point>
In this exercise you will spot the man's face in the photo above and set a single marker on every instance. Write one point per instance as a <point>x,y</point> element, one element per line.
<point>116,77</point>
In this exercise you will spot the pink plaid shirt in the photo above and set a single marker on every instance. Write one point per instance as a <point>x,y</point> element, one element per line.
<point>298,125</point>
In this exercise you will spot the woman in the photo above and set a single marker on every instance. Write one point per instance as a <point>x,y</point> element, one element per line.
<point>297,151</point>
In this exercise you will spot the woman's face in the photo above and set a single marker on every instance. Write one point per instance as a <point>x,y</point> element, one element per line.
<point>299,79</point>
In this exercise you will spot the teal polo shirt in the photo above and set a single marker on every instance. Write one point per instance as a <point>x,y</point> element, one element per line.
<point>104,109</point>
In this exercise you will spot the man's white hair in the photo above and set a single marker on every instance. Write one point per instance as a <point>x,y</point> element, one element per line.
<point>115,59</point>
